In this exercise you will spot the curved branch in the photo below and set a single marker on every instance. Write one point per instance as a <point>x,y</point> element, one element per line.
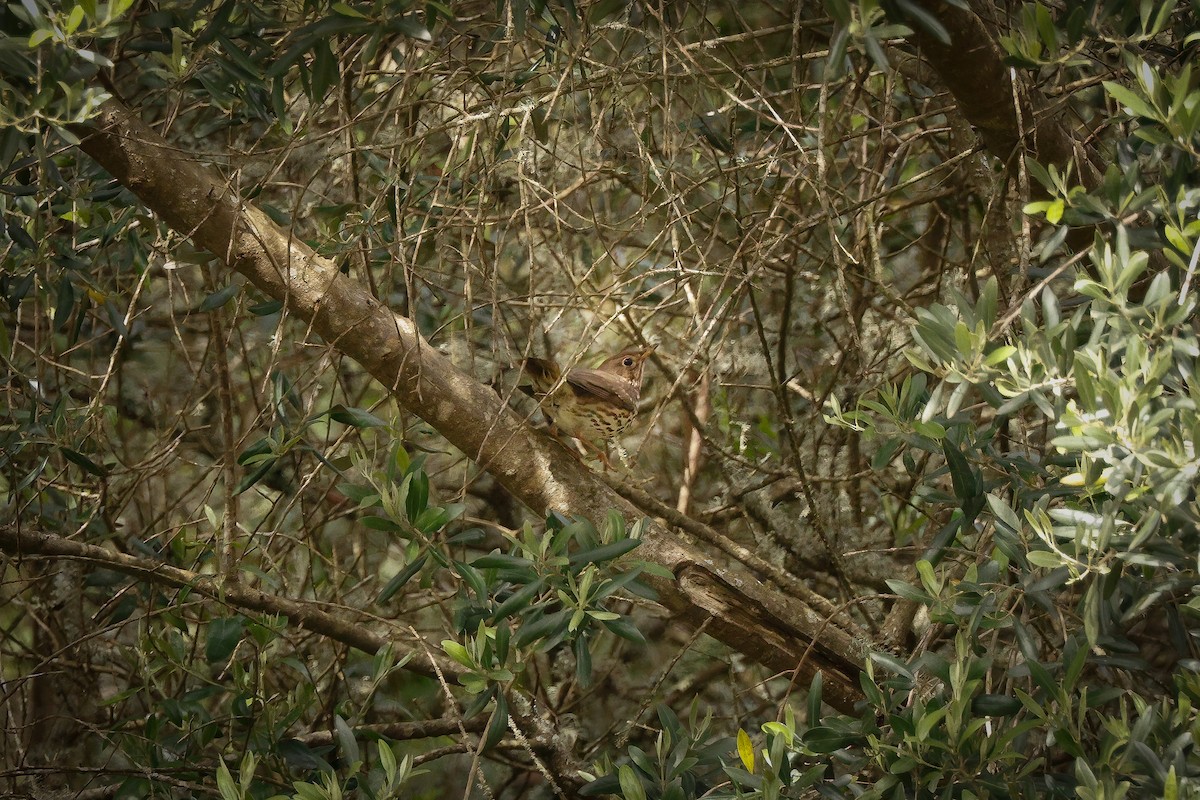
<point>775,630</point>
<point>298,612</point>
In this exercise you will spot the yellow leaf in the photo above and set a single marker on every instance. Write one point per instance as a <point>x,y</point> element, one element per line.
<point>1055,211</point>
<point>745,750</point>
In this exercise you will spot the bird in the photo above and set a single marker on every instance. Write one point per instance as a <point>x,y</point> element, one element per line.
<point>592,405</point>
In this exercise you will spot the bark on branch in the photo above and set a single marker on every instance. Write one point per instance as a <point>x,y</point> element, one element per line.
<point>973,69</point>
<point>300,613</point>
<point>775,630</point>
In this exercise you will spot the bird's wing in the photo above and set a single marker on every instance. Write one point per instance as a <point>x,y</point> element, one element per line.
<point>543,373</point>
<point>603,386</point>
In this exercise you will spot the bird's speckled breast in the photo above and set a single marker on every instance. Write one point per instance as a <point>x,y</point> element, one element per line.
<point>587,421</point>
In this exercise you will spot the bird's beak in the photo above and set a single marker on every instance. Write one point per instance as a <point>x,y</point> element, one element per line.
<point>645,353</point>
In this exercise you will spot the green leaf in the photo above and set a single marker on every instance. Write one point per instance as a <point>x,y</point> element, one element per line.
<point>892,664</point>
<point>325,70</point>
<point>1042,176</point>
<point>603,553</point>
<point>79,459</point>
<point>242,65</point>
<point>418,495</point>
<point>813,701</point>
<point>1044,559</point>
<point>631,785</point>
<point>257,474</point>
<point>355,417</point>
<point>503,640</point>
<point>458,653</point>
<point>409,26</point>
<point>583,661</point>
<point>402,577</point>
<point>219,297</point>
<point>64,303</point>
<point>614,525</point>
<point>625,629</point>
<point>1075,667</point>
<point>1134,103</point>
<point>117,9</point>
<point>348,11</point>
<point>930,430</point>
<point>962,476</point>
<point>266,308</point>
<point>545,627</point>
<point>306,38</point>
<point>839,10</point>
<point>929,578</point>
<point>927,721</point>
<point>1000,355</point>
<point>473,578</point>
<point>381,524</point>
<point>346,742</point>
<point>222,637</point>
<point>519,599</point>
<point>826,740</point>
<point>1037,207</point>
<point>309,791</point>
<point>886,451</point>
<point>433,518</point>
<point>617,583</point>
<point>1003,513</point>
<point>480,702</point>
<point>502,561</point>
<point>908,591</point>
<point>225,784</point>
<point>387,759</point>
<point>39,36</point>
<point>498,725</point>
<point>471,536</point>
<point>924,20</point>
<point>1047,32</point>
<point>606,784</point>
<point>995,705</point>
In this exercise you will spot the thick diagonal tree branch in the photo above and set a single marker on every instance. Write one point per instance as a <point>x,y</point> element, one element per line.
<point>1011,119</point>
<point>765,625</point>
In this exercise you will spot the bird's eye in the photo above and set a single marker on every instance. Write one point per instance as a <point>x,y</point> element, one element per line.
<point>628,361</point>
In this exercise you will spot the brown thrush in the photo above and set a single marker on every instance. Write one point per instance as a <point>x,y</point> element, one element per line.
<point>593,405</point>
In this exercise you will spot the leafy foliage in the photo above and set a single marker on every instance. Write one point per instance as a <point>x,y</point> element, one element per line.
<point>784,200</point>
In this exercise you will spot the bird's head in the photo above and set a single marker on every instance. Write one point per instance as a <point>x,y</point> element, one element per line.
<point>627,364</point>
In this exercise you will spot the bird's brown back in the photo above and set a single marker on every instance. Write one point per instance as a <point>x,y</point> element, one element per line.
<point>618,380</point>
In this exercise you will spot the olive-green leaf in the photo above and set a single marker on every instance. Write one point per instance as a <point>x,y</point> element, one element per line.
<point>223,636</point>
